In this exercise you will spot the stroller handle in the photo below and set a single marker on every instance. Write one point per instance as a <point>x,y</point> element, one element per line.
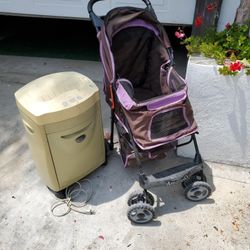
<point>98,22</point>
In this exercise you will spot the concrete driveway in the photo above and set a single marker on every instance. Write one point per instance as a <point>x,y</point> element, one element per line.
<point>220,222</point>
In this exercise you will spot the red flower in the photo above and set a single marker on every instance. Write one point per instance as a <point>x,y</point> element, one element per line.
<point>228,26</point>
<point>101,237</point>
<point>179,34</point>
<point>211,7</point>
<point>198,21</point>
<point>237,66</point>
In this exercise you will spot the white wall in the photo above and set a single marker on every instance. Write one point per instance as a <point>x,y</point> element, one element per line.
<point>221,107</point>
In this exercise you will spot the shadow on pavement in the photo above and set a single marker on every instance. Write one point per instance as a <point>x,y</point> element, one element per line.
<point>113,182</point>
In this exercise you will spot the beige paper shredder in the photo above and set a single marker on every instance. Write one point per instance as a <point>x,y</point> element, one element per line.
<point>62,117</point>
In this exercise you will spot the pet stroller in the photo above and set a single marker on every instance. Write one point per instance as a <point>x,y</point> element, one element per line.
<point>149,102</point>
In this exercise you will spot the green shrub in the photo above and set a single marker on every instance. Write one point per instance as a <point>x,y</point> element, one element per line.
<point>231,44</point>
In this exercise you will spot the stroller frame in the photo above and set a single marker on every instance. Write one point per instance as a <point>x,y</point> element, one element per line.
<point>190,175</point>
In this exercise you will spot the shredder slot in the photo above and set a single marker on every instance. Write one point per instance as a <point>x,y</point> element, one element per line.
<point>69,136</point>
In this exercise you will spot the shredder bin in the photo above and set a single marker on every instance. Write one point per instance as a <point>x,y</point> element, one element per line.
<point>62,117</point>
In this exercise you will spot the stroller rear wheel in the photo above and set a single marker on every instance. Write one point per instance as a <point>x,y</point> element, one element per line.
<point>138,196</point>
<point>141,213</point>
<point>198,191</point>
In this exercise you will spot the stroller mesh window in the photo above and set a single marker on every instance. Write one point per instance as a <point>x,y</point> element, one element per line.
<point>165,124</point>
<point>176,82</point>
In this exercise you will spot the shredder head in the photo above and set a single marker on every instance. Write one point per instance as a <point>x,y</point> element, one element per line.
<point>56,97</point>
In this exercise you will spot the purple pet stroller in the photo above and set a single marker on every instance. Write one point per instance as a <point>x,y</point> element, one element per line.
<point>149,102</point>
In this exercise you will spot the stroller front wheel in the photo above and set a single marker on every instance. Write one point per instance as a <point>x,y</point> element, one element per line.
<point>141,213</point>
<point>198,191</point>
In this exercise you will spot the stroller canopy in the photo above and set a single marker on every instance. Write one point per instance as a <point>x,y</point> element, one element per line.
<point>133,45</point>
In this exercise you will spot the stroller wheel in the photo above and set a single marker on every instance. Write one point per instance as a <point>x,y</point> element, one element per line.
<point>138,196</point>
<point>198,191</point>
<point>141,213</point>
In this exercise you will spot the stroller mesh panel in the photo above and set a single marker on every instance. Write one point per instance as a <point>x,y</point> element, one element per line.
<point>138,55</point>
<point>176,82</point>
<point>167,123</point>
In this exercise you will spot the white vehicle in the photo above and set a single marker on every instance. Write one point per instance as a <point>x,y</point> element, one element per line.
<point>178,11</point>
<point>168,11</point>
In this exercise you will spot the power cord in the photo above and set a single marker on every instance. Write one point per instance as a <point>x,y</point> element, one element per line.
<point>71,194</point>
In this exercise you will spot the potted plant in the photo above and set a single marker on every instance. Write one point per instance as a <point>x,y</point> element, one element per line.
<point>219,89</point>
<point>230,48</point>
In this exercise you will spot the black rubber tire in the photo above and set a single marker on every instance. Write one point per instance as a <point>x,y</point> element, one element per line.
<point>141,213</point>
<point>134,198</point>
<point>198,191</point>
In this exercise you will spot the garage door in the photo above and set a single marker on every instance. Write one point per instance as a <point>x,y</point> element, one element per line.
<point>168,11</point>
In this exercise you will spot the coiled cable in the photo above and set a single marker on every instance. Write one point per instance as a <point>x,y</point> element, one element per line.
<point>72,193</point>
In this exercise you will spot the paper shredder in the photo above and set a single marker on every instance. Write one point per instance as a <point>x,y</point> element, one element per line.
<point>62,118</point>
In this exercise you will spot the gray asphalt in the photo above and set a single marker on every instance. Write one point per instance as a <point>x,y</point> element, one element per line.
<point>220,222</point>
